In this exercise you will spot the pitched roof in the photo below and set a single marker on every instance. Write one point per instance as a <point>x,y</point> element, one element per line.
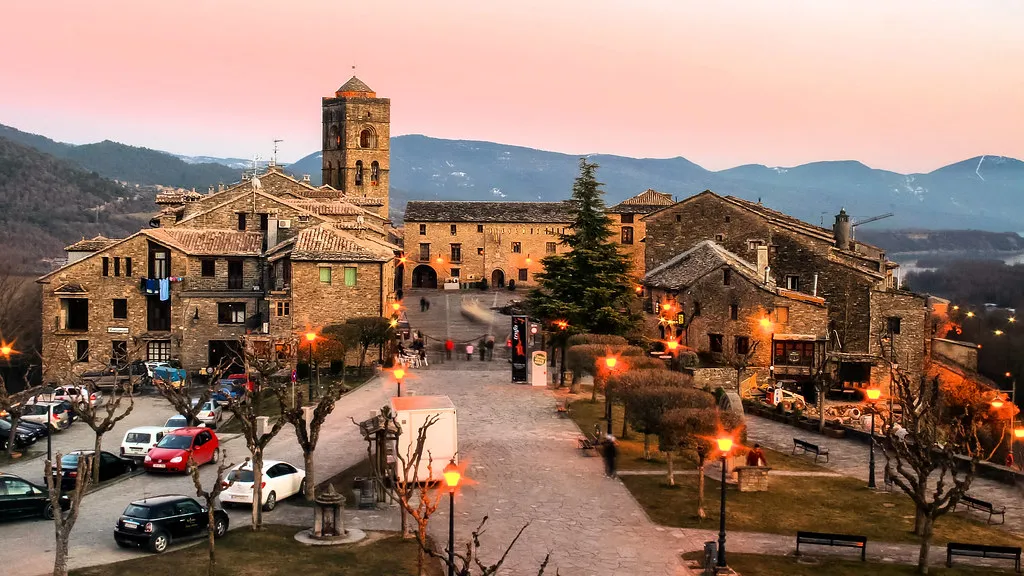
<point>91,245</point>
<point>207,242</point>
<point>451,211</point>
<point>337,207</point>
<point>648,201</point>
<point>687,268</point>
<point>355,85</point>
<point>287,202</point>
<point>327,243</point>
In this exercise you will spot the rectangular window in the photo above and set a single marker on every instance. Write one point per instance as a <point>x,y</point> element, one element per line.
<point>117,266</point>
<point>423,229</point>
<point>76,313</point>
<point>241,221</point>
<point>106,266</point>
<point>128,267</point>
<point>82,350</point>
<point>696,307</point>
<point>726,276</point>
<point>456,252</point>
<point>231,313</point>
<point>480,228</point>
<point>455,229</point>
<point>627,234</point>
<point>742,345</point>
<point>208,267</point>
<point>549,248</point>
<point>523,274</point>
<point>424,252</point>
<point>350,276</point>
<point>679,217</point>
<point>159,262</point>
<point>517,248</point>
<point>325,275</point>
<point>120,308</point>
<point>753,244</point>
<point>119,352</point>
<point>789,353</point>
<point>479,251</point>
<point>158,314</point>
<point>284,308</point>
<point>456,272</point>
<point>793,282</point>
<point>158,350</point>
<point>893,324</point>
<point>719,237</point>
<point>782,315</point>
<point>715,342</point>
<point>734,312</point>
<point>626,218</point>
<point>234,274</point>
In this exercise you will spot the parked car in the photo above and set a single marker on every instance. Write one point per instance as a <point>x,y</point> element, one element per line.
<point>20,498</point>
<point>111,466</point>
<point>210,413</point>
<point>228,390</point>
<point>178,421</point>
<point>54,414</point>
<point>152,364</point>
<point>33,430</point>
<point>72,394</point>
<point>22,437</point>
<point>280,480</point>
<point>172,453</point>
<point>168,375</point>
<point>243,380</point>
<point>112,378</point>
<point>140,440</point>
<point>156,522</point>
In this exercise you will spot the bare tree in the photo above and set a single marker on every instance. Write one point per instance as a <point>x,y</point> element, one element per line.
<point>216,527</point>
<point>13,403</point>
<point>64,523</point>
<point>103,417</point>
<point>464,564</point>
<point>307,425</point>
<point>414,493</point>
<point>181,396</point>
<point>926,453</point>
<point>740,362</point>
<point>691,428</point>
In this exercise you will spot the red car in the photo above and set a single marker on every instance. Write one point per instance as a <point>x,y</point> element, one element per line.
<point>171,454</point>
<point>241,380</point>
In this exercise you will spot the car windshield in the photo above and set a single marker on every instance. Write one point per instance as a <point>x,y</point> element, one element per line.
<point>138,511</point>
<point>36,410</point>
<point>240,476</point>
<point>175,442</point>
<point>176,422</point>
<point>69,460</point>
<point>137,438</point>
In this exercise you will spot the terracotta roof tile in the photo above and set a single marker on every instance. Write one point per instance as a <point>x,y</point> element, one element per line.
<point>91,245</point>
<point>645,202</point>
<point>355,85</point>
<point>327,243</point>
<point>206,242</point>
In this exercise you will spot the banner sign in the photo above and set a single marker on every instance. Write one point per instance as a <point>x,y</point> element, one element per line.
<point>519,371</point>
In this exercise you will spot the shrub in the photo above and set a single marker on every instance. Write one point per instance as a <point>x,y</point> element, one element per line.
<point>606,339</point>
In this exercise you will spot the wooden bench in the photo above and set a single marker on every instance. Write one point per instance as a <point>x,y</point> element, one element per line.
<point>976,504</point>
<point>983,551</point>
<point>826,539</point>
<point>588,443</point>
<point>808,447</point>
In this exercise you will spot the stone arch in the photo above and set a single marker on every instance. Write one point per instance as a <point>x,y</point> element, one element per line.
<point>374,172</point>
<point>498,278</point>
<point>424,276</point>
<point>359,172</point>
<point>367,137</point>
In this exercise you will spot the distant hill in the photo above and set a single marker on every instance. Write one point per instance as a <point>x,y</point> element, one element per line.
<point>932,241</point>
<point>47,203</point>
<point>962,195</point>
<point>129,163</point>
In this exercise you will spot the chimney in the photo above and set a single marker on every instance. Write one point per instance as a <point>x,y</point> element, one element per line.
<point>762,263</point>
<point>305,177</point>
<point>841,229</point>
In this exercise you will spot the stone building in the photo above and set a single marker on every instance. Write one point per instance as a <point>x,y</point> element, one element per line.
<point>869,318</point>
<point>503,241</point>
<point>270,257</point>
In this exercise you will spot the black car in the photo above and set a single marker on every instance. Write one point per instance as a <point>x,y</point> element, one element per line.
<point>32,429</point>
<point>20,498</point>
<point>23,437</point>
<point>156,522</point>
<point>111,466</point>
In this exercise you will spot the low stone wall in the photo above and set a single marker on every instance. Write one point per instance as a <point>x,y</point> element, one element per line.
<point>753,478</point>
<point>724,377</point>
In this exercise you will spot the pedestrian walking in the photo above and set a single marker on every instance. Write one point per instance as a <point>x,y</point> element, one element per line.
<point>423,304</point>
<point>756,456</point>
<point>482,345</point>
<point>490,347</point>
<point>469,352</point>
<point>448,347</point>
<point>609,451</point>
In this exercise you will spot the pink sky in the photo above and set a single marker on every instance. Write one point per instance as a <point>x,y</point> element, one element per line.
<point>906,85</point>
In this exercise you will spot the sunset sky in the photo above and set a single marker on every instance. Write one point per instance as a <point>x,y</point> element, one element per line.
<point>905,85</point>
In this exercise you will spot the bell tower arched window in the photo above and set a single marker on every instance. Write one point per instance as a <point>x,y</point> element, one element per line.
<point>359,172</point>
<point>374,172</point>
<point>367,139</point>
<point>329,174</point>
<point>332,136</point>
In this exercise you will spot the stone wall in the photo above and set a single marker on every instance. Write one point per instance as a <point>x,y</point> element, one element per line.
<point>906,348</point>
<point>225,217</point>
<point>963,354</point>
<point>347,118</point>
<point>636,249</point>
<point>315,304</point>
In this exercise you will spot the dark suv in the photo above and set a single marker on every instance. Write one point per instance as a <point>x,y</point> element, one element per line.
<point>20,498</point>
<point>156,522</point>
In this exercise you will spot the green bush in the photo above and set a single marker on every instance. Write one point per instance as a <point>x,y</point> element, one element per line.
<point>606,339</point>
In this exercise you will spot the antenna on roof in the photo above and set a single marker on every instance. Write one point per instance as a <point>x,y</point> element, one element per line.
<point>273,162</point>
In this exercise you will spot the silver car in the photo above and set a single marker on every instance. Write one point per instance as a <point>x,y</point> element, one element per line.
<point>52,414</point>
<point>210,413</point>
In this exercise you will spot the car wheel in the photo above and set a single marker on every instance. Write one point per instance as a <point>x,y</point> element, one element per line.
<point>48,511</point>
<point>216,456</point>
<point>271,502</point>
<point>159,542</point>
<point>220,527</point>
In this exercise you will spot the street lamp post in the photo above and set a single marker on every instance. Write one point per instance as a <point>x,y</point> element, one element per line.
<point>451,478</point>
<point>724,446</point>
<point>399,374</point>
<point>310,337</point>
<point>562,325</point>
<point>873,395</point>
<point>610,363</point>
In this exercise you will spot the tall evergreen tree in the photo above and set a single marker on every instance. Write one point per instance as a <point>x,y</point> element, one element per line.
<point>590,286</point>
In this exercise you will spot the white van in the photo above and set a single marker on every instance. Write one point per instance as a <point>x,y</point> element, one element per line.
<point>138,441</point>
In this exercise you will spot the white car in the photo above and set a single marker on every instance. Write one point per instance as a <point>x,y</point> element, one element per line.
<point>280,480</point>
<point>52,414</point>
<point>73,394</point>
<point>210,414</point>
<point>178,421</point>
<point>138,441</point>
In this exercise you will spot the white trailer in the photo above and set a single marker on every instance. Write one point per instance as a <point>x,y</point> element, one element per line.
<point>442,440</point>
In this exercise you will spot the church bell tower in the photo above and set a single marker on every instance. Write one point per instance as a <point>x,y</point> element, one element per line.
<point>357,144</point>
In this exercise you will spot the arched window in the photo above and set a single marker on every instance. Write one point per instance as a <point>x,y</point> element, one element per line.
<point>367,139</point>
<point>359,172</point>
<point>329,174</point>
<point>374,172</point>
<point>333,138</point>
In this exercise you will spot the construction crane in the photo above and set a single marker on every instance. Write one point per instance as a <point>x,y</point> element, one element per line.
<point>853,225</point>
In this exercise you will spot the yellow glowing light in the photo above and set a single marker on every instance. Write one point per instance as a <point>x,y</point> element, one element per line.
<point>6,350</point>
<point>440,260</point>
<point>724,444</point>
<point>310,336</point>
<point>666,306</point>
<point>997,404</point>
<point>765,323</point>
<point>394,323</point>
<point>529,260</point>
<point>970,314</point>
<point>562,324</point>
<point>452,476</point>
<point>1018,432</point>
<point>639,289</point>
<point>396,306</point>
<point>873,394</point>
<point>1011,319</point>
<point>956,307</point>
<point>610,362</point>
<point>1007,374</point>
<point>998,332</point>
<point>399,373</point>
<point>672,345</point>
<point>403,259</point>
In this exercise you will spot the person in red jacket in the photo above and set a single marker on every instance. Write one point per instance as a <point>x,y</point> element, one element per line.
<point>448,347</point>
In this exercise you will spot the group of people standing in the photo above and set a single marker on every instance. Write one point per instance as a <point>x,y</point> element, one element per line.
<point>484,347</point>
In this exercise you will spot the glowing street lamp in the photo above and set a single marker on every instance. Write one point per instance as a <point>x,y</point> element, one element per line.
<point>394,323</point>
<point>1011,319</point>
<point>310,337</point>
<point>997,404</point>
<point>396,306</point>
<point>998,332</point>
<point>452,476</point>
<point>724,446</point>
<point>6,351</point>
<point>1018,433</point>
<point>970,314</point>
<point>873,394</point>
<point>766,323</point>
<point>609,362</point>
<point>440,260</point>
<point>399,375</point>
<point>672,345</point>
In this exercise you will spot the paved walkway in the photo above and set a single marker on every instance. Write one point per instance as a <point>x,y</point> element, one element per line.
<point>850,457</point>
